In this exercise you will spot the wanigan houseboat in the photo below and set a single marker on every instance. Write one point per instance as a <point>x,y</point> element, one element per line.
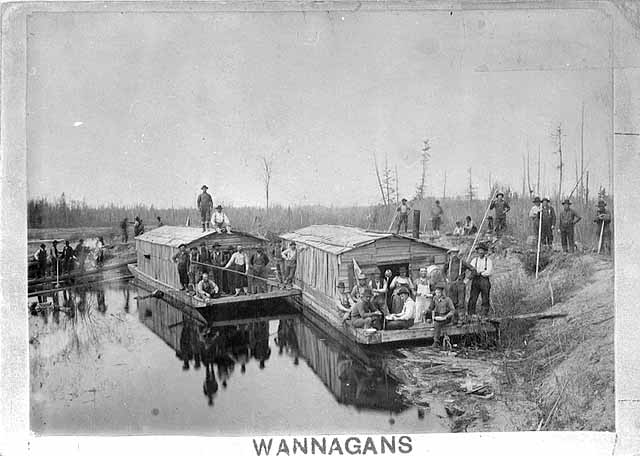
<point>156,270</point>
<point>325,258</point>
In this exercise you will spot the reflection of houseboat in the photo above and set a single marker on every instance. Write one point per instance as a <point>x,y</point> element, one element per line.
<point>346,370</point>
<point>325,258</point>
<point>155,268</point>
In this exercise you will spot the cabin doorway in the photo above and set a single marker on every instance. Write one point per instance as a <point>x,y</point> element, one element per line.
<point>395,269</point>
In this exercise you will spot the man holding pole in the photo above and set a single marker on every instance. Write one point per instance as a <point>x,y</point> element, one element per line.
<point>568,218</point>
<point>603,219</point>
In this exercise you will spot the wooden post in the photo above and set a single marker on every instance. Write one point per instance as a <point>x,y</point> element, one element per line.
<point>416,224</point>
<point>539,241</point>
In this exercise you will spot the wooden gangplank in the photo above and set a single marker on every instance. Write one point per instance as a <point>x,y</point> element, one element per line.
<point>200,303</point>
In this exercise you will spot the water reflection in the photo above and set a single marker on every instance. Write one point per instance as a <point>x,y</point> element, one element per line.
<point>224,347</point>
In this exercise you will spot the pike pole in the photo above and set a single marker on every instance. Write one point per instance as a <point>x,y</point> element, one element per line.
<point>539,242</point>
<point>600,240</point>
<point>481,223</point>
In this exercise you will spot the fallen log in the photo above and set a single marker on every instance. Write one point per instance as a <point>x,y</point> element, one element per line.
<point>537,316</point>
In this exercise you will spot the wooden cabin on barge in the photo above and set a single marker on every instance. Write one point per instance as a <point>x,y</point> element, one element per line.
<point>155,267</point>
<point>325,258</point>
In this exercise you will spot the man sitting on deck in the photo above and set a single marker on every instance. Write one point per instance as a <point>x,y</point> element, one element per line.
<point>442,312</point>
<point>342,303</point>
<point>356,291</point>
<point>362,313</point>
<point>404,319</point>
<point>220,221</point>
<point>206,289</point>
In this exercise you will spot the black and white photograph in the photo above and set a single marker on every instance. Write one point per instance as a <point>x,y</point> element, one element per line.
<point>351,219</point>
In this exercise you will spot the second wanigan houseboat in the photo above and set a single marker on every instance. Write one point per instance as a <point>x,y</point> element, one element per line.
<point>155,268</point>
<point>325,258</point>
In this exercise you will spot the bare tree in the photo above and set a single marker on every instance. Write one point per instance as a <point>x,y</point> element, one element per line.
<point>388,181</point>
<point>375,163</point>
<point>267,172</point>
<point>558,136</point>
<point>425,156</point>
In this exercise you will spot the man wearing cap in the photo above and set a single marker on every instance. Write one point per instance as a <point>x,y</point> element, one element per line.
<point>403,215</point>
<point>436,218</point>
<point>603,219</point>
<point>534,216</point>
<point>363,315</point>
<point>181,258</point>
<point>406,317</point>
<point>41,257</point>
<point>482,268</point>
<point>442,312</point>
<point>454,271</point>
<point>205,205</point>
<point>342,303</point>
<point>501,207</point>
<point>290,257</point>
<point>220,221</point>
<point>548,215</point>
<point>206,289</point>
<point>568,218</point>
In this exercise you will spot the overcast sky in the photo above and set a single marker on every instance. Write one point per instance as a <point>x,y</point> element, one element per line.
<point>146,108</point>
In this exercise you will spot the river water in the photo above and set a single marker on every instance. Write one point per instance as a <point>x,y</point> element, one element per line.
<point>108,363</point>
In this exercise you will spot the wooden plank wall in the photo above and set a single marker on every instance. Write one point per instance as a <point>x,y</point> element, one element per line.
<point>317,269</point>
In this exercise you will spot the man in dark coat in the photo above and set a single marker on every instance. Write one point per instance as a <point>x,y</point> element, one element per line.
<point>603,219</point>
<point>68,256</point>
<point>205,206</point>
<point>258,268</point>
<point>41,257</point>
<point>568,218</point>
<point>182,260</point>
<point>501,207</point>
<point>548,215</point>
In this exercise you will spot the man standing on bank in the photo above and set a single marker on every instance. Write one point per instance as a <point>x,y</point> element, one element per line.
<point>568,218</point>
<point>403,215</point>
<point>205,206</point>
<point>481,268</point>
<point>548,215</point>
<point>501,207</point>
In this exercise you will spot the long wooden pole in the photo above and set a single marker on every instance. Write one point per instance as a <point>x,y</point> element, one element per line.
<point>600,240</point>
<point>395,215</point>
<point>481,223</point>
<point>539,241</point>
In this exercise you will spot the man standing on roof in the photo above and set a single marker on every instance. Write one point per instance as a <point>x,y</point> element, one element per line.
<point>403,215</point>
<point>436,218</point>
<point>205,206</point>
<point>290,257</point>
<point>182,260</point>
<point>220,221</point>
<point>568,219</point>
<point>159,221</point>
<point>482,268</point>
<point>548,215</point>
<point>501,207</point>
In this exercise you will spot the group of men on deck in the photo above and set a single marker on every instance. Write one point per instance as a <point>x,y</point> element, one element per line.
<point>208,271</point>
<point>57,262</point>
<point>438,295</point>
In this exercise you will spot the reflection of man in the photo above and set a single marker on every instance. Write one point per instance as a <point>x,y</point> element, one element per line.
<point>206,289</point>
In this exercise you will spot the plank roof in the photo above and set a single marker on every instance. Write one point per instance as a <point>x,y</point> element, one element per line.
<point>337,239</point>
<point>175,235</point>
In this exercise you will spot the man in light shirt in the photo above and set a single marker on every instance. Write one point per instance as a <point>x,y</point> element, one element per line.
<point>290,257</point>
<point>403,215</point>
<point>482,268</point>
<point>404,319</point>
<point>220,221</point>
<point>442,311</point>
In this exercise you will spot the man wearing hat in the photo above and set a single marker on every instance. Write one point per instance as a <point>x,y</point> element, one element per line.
<point>501,207</point>
<point>363,315</point>
<point>220,221</point>
<point>342,304</point>
<point>568,218</point>
<point>603,219</point>
<point>436,218</point>
<point>534,215</point>
<point>442,312</point>
<point>181,258</point>
<point>290,257</point>
<point>548,215</point>
<point>54,258</point>
<point>205,206</point>
<point>403,215</point>
<point>481,267</point>
<point>405,318</point>
<point>454,271</point>
<point>41,257</point>
<point>358,288</point>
